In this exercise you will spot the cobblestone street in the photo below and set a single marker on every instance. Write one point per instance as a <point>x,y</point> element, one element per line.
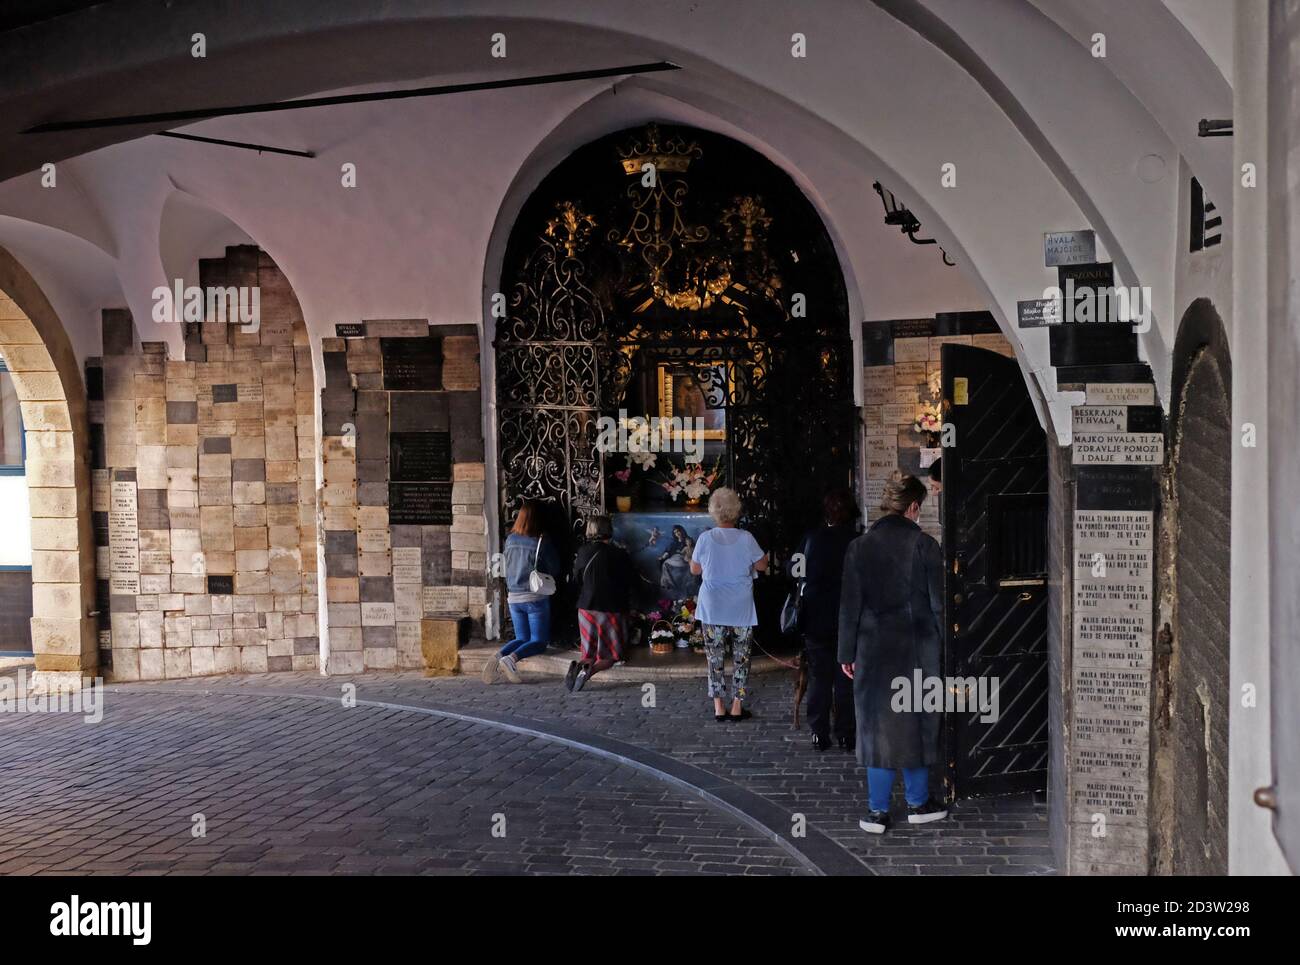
<point>451,776</point>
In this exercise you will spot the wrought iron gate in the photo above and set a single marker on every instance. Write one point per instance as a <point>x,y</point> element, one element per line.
<point>678,244</point>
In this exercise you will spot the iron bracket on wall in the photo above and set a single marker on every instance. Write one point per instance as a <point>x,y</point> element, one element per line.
<point>1208,128</point>
<point>899,216</point>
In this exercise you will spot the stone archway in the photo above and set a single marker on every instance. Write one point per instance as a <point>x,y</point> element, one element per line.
<point>52,398</point>
<point>1190,735</point>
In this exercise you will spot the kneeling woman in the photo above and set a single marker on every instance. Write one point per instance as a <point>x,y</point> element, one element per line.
<point>603,574</point>
<point>530,612</point>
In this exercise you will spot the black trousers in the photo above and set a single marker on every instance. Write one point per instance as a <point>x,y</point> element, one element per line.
<point>830,692</point>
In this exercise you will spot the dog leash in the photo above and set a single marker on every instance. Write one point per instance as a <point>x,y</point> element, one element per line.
<point>783,663</point>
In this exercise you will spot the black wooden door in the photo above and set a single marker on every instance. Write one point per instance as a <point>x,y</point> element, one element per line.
<point>995,554</point>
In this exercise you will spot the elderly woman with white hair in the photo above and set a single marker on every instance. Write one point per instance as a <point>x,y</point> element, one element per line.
<point>727,558</point>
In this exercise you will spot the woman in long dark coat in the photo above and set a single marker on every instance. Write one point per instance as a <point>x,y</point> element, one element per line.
<point>891,619</point>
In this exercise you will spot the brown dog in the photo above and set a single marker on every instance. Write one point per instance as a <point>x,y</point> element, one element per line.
<point>800,684</point>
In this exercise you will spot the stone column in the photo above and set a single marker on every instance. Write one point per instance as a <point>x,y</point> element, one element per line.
<point>53,405</point>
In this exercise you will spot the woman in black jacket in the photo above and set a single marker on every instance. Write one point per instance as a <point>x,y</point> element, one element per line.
<point>603,574</point>
<point>830,692</point>
<point>891,615</point>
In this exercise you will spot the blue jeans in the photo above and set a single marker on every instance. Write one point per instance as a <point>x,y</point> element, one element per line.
<point>532,629</point>
<point>880,786</point>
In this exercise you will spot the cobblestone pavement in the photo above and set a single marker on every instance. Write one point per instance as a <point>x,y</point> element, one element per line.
<point>289,784</point>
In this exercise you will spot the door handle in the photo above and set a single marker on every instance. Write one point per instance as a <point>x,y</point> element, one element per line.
<point>1013,582</point>
<point>1026,597</point>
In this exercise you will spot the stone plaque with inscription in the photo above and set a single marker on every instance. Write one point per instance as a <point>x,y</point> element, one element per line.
<point>416,456</point>
<point>1120,393</point>
<point>1118,449</point>
<point>419,503</point>
<point>911,350</point>
<point>412,363</point>
<point>877,385</point>
<point>1069,248</point>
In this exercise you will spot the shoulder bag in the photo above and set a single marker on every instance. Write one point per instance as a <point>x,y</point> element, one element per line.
<point>539,582</point>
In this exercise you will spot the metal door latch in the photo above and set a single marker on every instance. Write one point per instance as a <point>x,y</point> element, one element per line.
<point>1266,797</point>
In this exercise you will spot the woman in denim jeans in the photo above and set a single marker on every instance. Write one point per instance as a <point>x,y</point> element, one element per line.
<point>526,549</point>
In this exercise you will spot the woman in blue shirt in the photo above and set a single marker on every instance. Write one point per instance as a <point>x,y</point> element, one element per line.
<point>530,613</point>
<point>727,558</point>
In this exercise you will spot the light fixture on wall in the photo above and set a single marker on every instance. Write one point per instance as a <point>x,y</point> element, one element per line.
<point>898,215</point>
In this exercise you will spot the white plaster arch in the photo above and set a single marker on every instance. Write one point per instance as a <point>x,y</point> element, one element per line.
<point>77,277</point>
<point>887,91</point>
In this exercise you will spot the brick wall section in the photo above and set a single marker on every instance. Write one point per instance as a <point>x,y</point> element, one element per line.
<point>394,589</point>
<point>204,490</point>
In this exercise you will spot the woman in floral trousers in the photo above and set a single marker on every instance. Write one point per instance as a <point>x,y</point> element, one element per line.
<point>727,558</point>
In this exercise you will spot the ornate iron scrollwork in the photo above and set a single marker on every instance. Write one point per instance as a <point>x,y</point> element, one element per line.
<point>698,262</point>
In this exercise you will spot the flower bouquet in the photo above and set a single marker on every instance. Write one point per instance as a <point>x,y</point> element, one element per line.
<point>929,419</point>
<point>645,440</point>
<point>662,637</point>
<point>690,633</point>
<point>691,480</point>
<point>622,487</point>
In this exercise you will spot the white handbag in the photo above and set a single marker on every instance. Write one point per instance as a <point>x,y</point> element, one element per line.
<point>539,582</point>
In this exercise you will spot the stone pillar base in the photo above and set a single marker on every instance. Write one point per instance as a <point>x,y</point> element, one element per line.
<point>56,682</point>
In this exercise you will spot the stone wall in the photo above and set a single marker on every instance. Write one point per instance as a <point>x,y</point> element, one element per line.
<point>402,501</point>
<point>203,490</point>
<point>1117,439</point>
<point>900,380</point>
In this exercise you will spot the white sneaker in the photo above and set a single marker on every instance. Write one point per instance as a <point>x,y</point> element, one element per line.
<point>925,813</point>
<point>511,670</point>
<point>876,822</point>
<point>491,669</point>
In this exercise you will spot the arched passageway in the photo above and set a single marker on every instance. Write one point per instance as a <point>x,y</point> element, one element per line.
<point>52,398</point>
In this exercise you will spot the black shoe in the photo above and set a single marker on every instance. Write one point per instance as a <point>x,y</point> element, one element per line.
<point>925,813</point>
<point>571,676</point>
<point>821,743</point>
<point>847,744</point>
<point>743,715</point>
<point>876,822</point>
<point>584,674</point>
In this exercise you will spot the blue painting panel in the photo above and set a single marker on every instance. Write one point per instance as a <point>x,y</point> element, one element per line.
<point>660,544</point>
